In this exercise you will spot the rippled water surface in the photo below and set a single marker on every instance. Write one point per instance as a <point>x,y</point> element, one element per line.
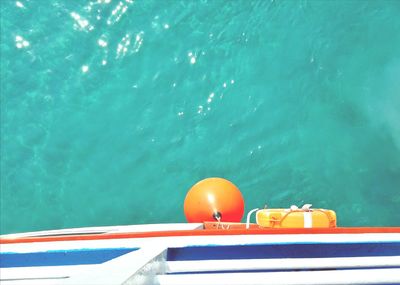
<point>112,110</point>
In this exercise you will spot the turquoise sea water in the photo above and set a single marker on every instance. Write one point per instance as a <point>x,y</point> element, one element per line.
<point>112,110</point>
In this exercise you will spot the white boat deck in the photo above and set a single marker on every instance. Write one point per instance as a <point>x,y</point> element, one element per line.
<point>369,258</point>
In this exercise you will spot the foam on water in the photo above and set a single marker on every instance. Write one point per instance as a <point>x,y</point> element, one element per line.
<point>111,110</point>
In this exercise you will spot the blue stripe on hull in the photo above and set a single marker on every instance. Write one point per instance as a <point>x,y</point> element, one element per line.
<point>305,250</point>
<point>276,270</point>
<point>62,257</point>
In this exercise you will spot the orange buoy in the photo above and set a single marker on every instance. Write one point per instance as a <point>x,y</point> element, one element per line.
<point>214,199</point>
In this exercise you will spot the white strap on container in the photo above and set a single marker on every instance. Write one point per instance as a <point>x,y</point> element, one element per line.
<point>307,215</point>
<point>248,217</point>
<point>307,219</point>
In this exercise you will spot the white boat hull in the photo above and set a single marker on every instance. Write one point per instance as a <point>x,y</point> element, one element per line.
<point>187,254</point>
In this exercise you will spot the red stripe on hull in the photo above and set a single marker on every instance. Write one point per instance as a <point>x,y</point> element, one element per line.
<point>201,232</point>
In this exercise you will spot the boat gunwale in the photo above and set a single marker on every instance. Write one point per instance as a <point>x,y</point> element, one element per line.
<point>202,232</point>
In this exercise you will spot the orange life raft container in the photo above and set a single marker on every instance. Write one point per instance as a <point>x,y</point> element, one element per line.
<point>296,218</point>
